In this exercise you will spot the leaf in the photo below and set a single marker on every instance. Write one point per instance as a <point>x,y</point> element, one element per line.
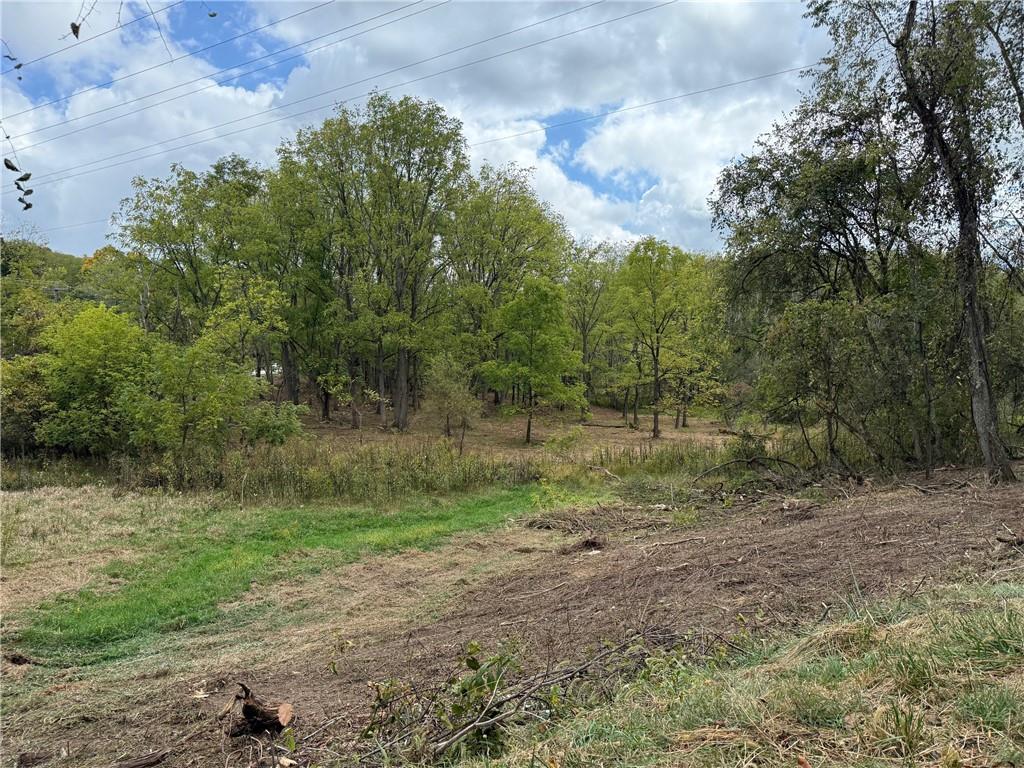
<point>285,713</point>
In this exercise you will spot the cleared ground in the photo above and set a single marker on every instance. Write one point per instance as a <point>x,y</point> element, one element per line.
<point>557,572</point>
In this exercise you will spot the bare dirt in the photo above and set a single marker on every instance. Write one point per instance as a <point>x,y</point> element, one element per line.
<point>557,587</point>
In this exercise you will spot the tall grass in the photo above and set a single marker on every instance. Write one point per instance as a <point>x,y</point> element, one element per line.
<point>660,458</point>
<point>312,469</point>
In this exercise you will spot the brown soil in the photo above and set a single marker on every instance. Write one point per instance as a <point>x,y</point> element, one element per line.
<point>590,577</point>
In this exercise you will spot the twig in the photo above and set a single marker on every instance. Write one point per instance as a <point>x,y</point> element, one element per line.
<point>677,541</point>
<point>543,591</point>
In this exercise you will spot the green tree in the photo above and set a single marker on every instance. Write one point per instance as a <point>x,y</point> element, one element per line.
<point>540,356</point>
<point>448,390</point>
<point>94,363</point>
<point>651,295</point>
<point>948,68</point>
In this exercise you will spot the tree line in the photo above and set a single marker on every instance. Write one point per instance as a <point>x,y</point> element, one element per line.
<point>868,306</point>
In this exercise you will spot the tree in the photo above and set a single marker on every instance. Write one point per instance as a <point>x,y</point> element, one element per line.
<point>589,279</point>
<point>651,295</point>
<point>94,363</point>
<point>448,389</point>
<point>540,357</point>
<point>942,61</point>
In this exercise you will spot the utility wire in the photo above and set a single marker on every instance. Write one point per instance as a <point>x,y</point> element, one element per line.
<point>94,37</point>
<point>343,101</point>
<point>217,83</point>
<point>207,76</point>
<point>518,134</point>
<point>178,58</point>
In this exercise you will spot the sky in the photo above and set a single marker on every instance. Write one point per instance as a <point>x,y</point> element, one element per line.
<point>197,80</point>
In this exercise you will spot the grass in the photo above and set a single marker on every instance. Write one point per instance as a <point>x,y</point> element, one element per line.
<point>934,681</point>
<point>219,554</point>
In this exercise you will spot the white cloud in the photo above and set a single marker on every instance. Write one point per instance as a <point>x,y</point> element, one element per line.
<point>656,166</point>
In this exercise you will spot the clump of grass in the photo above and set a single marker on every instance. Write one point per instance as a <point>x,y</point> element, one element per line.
<point>998,707</point>
<point>10,526</point>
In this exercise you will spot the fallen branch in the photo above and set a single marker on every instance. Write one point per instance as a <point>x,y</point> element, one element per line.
<point>751,462</point>
<point>145,761</point>
<point>605,471</point>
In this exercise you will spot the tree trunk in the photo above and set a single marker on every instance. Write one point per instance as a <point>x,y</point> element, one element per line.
<point>960,163</point>
<point>401,404</point>
<point>325,404</point>
<point>290,372</point>
<point>686,415</point>
<point>529,418</point>
<point>656,430</point>
<point>355,415</point>
<point>983,405</point>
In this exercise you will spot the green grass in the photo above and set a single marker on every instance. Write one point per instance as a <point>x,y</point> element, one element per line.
<point>218,555</point>
<point>937,680</point>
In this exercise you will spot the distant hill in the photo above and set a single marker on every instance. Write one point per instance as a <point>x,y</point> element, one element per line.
<point>24,256</point>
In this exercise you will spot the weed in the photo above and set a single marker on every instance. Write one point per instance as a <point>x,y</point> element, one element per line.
<point>900,730</point>
<point>912,670</point>
<point>998,707</point>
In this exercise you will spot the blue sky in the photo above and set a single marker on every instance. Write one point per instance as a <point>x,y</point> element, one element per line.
<point>647,171</point>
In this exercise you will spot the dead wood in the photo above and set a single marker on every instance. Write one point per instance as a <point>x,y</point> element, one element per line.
<point>28,759</point>
<point>754,461</point>
<point>144,761</point>
<point>257,716</point>
<point>605,471</point>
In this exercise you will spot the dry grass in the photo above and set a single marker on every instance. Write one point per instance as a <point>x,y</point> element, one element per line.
<point>56,538</point>
<point>504,436</point>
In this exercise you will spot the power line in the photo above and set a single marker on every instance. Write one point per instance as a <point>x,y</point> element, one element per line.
<point>177,58</point>
<point>94,37</point>
<point>343,101</point>
<point>225,80</point>
<point>561,124</point>
<point>644,105</point>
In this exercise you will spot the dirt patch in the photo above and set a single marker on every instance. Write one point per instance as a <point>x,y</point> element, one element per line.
<point>411,616</point>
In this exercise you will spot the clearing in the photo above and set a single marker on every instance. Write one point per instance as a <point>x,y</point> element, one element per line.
<point>309,604</point>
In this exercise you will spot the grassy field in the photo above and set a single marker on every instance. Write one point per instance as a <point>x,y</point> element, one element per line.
<point>138,611</point>
<point>216,554</point>
<point>937,681</point>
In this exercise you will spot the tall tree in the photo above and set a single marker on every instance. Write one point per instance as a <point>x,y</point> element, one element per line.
<point>942,61</point>
<point>652,299</point>
<point>540,360</point>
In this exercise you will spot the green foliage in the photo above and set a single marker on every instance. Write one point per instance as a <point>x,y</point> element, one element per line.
<point>24,401</point>
<point>447,385</point>
<point>94,365</point>
<point>540,355</point>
